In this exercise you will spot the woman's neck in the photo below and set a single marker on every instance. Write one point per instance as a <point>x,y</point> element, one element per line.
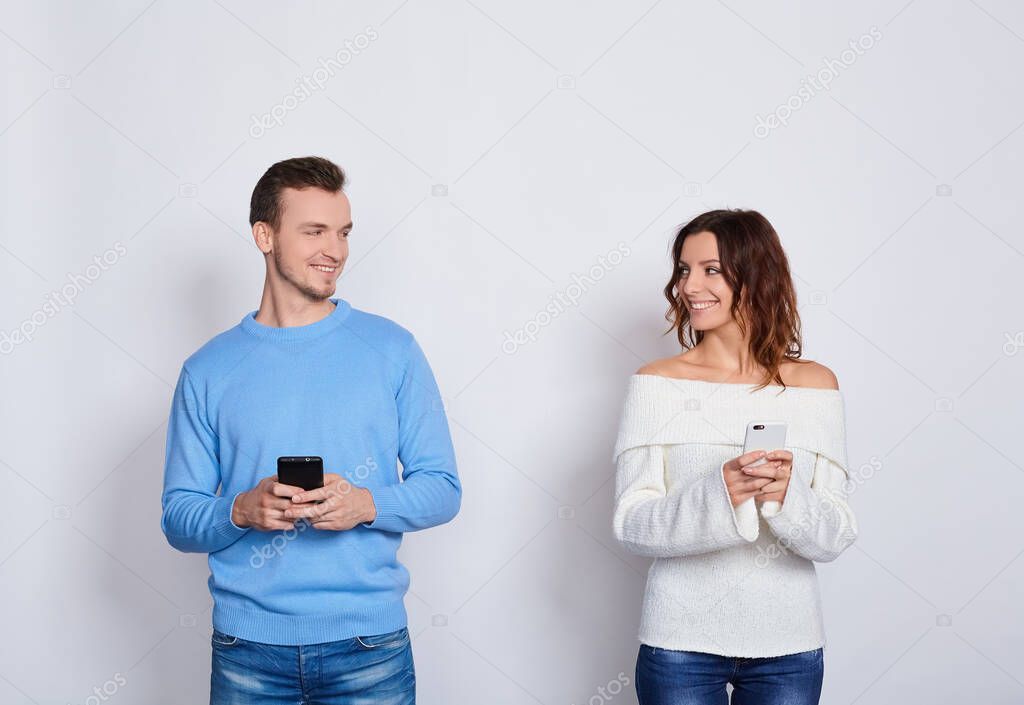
<point>726,350</point>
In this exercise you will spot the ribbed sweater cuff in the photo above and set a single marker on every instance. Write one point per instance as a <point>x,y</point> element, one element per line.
<point>744,516</point>
<point>224,526</point>
<point>385,500</point>
<point>795,508</point>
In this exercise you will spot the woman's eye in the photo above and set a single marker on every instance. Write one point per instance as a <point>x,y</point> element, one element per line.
<point>712,270</point>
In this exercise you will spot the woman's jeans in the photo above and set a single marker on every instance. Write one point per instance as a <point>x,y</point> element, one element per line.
<point>371,669</point>
<point>666,677</point>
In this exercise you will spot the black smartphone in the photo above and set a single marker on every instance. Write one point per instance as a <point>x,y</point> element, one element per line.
<point>305,471</point>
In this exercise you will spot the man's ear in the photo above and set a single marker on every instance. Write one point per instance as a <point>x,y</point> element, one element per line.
<point>263,236</point>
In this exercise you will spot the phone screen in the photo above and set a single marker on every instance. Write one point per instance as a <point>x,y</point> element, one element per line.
<point>305,471</point>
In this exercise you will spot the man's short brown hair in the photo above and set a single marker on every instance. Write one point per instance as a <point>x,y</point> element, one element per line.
<point>297,173</point>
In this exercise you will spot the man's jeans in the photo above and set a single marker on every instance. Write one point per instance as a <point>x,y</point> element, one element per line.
<point>665,677</point>
<point>371,669</point>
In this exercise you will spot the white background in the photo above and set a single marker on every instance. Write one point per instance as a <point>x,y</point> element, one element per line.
<point>495,150</point>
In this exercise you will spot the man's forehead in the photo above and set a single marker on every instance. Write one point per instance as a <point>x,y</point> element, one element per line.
<point>311,193</point>
<point>300,203</point>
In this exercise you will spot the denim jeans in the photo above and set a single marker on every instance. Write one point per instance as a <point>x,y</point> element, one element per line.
<point>667,677</point>
<point>370,669</point>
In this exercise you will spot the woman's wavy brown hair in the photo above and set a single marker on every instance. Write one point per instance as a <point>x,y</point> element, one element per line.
<point>756,269</point>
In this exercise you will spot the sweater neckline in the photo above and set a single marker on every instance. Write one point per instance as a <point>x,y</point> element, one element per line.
<point>332,320</point>
<point>677,410</point>
<point>746,385</point>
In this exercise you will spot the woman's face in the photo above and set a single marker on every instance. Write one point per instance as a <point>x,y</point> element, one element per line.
<point>706,295</point>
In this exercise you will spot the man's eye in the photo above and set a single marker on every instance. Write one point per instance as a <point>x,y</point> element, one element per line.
<point>314,232</point>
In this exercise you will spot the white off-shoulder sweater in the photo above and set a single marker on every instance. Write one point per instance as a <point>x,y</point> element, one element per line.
<point>731,581</point>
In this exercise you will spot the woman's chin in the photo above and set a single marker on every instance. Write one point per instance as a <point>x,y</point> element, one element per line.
<point>705,326</point>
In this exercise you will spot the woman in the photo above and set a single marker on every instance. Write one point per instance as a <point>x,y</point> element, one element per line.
<point>732,596</point>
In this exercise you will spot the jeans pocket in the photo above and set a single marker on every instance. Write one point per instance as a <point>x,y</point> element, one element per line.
<point>219,638</point>
<point>389,640</point>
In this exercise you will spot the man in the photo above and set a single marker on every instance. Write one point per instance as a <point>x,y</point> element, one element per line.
<point>307,590</point>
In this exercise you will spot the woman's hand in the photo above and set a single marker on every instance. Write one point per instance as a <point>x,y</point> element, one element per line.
<point>777,469</point>
<point>741,484</point>
<point>339,505</point>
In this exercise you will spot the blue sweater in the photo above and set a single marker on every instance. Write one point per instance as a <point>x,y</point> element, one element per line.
<point>354,388</point>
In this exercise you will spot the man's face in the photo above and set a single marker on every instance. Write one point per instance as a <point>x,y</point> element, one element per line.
<point>311,246</point>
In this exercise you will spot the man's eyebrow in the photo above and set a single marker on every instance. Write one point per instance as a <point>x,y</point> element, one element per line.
<point>323,226</point>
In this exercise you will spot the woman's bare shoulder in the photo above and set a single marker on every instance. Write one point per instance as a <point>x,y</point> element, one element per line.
<point>656,367</point>
<point>673,366</point>
<point>810,374</point>
<point>803,373</point>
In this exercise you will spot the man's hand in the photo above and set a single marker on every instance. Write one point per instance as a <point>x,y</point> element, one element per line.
<point>263,507</point>
<point>337,506</point>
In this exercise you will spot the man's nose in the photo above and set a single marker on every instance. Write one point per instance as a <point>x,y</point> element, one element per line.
<point>333,252</point>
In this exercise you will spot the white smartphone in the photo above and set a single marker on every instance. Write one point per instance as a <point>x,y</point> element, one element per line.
<point>765,435</point>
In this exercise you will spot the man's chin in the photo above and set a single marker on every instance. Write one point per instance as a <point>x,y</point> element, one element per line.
<point>318,294</point>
